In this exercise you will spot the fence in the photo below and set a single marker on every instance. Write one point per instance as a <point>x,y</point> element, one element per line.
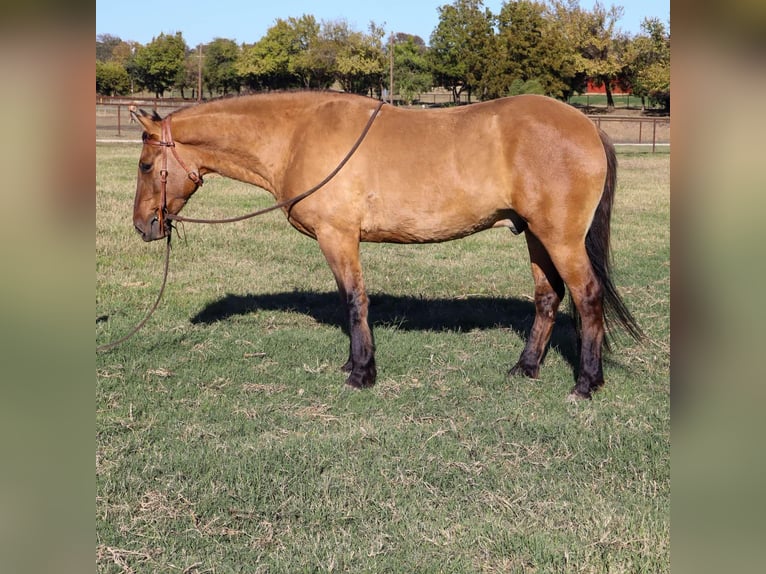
<point>113,123</point>
<point>631,130</point>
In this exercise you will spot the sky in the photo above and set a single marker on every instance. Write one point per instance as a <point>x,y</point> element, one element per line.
<point>246,21</point>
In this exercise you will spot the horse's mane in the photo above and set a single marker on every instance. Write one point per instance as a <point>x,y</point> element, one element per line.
<point>229,99</point>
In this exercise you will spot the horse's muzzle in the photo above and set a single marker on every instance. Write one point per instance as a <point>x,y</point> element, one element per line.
<point>150,231</point>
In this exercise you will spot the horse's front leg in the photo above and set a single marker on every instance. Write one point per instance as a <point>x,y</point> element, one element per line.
<point>342,253</point>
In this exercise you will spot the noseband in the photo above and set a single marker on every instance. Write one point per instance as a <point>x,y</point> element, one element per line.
<point>165,143</point>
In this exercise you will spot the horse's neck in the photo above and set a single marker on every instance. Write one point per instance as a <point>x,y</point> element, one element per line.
<point>245,144</point>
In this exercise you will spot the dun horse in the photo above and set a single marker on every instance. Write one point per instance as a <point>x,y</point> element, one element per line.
<point>528,163</point>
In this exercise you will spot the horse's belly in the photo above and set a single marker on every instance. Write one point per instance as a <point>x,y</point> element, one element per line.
<point>432,203</point>
<point>426,227</point>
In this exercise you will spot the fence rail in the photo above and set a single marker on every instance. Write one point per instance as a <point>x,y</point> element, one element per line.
<point>114,123</point>
<point>659,125</point>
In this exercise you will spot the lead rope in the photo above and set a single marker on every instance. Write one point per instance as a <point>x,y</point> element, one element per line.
<point>297,198</point>
<point>162,212</point>
<point>138,327</point>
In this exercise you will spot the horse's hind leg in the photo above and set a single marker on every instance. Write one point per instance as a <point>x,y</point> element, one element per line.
<point>587,294</point>
<point>342,254</point>
<point>549,290</point>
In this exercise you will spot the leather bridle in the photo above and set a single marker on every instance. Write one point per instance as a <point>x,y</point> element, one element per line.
<point>167,143</point>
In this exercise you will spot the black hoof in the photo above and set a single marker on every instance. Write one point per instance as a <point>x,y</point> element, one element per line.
<point>361,380</point>
<point>577,395</point>
<point>521,370</point>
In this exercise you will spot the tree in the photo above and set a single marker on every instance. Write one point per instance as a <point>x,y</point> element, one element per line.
<point>277,60</point>
<point>219,72</point>
<point>105,44</point>
<point>593,36</point>
<point>124,52</point>
<point>531,56</point>
<point>189,77</point>
<point>649,69</point>
<point>111,79</point>
<point>313,63</point>
<point>298,52</point>
<point>160,64</point>
<point>119,55</point>
<point>461,46</point>
<point>412,75</point>
<point>360,60</point>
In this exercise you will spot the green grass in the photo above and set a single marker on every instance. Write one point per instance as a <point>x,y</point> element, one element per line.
<point>226,441</point>
<point>599,100</point>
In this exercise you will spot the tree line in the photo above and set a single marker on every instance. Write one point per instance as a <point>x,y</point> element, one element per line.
<point>551,47</point>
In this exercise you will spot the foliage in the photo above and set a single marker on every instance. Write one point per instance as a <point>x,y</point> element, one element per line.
<point>313,60</point>
<point>551,45</point>
<point>105,45</point>
<point>591,36</point>
<point>111,79</point>
<point>460,44</point>
<point>412,75</point>
<point>649,67</point>
<point>529,47</point>
<point>114,65</point>
<point>160,64</point>
<point>519,86</point>
<point>267,63</point>
<point>218,71</point>
<point>360,59</point>
<point>298,52</point>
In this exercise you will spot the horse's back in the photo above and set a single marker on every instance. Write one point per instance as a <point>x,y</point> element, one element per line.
<point>440,174</point>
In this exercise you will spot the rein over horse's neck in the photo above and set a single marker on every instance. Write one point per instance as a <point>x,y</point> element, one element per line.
<point>243,143</point>
<point>283,203</point>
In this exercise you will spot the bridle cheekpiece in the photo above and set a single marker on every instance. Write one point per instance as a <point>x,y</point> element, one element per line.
<point>165,143</point>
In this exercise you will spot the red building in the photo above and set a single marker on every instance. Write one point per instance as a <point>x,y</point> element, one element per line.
<point>617,89</point>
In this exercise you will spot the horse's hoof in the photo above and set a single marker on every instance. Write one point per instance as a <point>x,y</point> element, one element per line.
<point>577,396</point>
<point>519,370</point>
<point>360,380</point>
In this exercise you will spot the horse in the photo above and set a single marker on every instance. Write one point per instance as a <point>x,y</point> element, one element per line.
<point>528,163</point>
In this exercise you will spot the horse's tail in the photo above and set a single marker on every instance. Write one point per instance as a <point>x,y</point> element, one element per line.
<point>597,245</point>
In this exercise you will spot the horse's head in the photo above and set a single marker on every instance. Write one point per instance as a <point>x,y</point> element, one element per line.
<point>167,177</point>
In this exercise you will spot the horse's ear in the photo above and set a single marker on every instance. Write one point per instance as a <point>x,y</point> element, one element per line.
<point>150,122</point>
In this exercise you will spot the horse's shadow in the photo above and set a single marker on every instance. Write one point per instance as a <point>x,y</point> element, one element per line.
<point>404,312</point>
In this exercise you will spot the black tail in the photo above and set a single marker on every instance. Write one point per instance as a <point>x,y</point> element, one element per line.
<point>598,247</point>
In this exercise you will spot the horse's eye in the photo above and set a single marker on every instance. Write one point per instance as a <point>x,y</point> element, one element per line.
<point>145,167</point>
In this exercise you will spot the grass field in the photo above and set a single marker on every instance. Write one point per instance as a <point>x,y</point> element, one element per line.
<point>620,101</point>
<point>226,441</point>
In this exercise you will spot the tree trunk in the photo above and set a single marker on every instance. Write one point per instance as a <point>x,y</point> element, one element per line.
<point>609,96</point>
